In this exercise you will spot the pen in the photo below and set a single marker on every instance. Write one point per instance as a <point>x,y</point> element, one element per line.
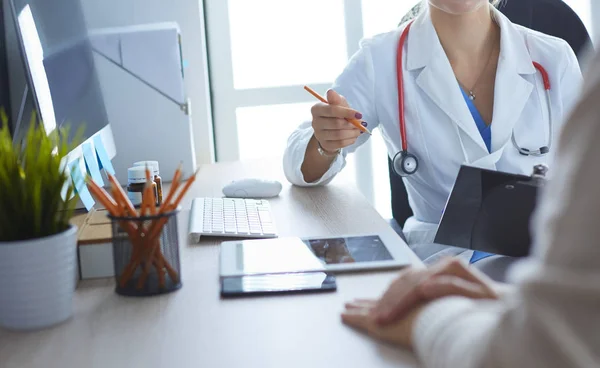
<point>354,122</point>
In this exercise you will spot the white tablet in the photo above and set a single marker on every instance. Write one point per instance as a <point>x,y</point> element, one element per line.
<point>334,254</point>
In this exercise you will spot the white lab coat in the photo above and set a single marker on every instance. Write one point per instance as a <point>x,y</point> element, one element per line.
<point>440,129</point>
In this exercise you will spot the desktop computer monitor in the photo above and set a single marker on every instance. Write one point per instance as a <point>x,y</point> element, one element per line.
<point>61,81</point>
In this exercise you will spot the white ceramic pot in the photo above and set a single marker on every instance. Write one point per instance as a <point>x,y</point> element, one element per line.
<point>37,281</point>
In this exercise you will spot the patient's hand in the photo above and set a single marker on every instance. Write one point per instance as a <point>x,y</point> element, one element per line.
<point>359,314</point>
<point>414,287</point>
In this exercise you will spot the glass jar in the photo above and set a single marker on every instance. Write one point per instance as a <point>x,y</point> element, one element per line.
<point>154,169</point>
<point>136,182</point>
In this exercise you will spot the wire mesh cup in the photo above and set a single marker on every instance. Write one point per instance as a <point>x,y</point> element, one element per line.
<point>146,254</point>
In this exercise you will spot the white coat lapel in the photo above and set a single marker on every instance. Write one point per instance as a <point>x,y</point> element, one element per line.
<point>512,90</point>
<point>437,77</point>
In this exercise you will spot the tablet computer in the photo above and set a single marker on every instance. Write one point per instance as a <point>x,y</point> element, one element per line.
<point>283,283</point>
<point>344,253</point>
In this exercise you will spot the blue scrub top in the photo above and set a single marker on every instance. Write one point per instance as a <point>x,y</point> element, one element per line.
<point>486,133</point>
<point>484,129</point>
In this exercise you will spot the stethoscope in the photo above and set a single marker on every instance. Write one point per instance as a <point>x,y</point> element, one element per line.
<point>406,163</point>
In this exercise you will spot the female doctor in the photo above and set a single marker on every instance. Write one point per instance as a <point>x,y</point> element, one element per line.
<point>460,84</point>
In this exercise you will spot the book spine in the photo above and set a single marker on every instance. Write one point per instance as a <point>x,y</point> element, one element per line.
<point>95,261</point>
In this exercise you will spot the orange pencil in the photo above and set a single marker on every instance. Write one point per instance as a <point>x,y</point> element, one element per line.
<point>355,122</point>
<point>146,200</point>
<point>153,203</point>
<point>119,193</point>
<point>157,226</point>
<point>174,186</point>
<point>184,190</point>
<point>145,208</point>
<point>103,197</point>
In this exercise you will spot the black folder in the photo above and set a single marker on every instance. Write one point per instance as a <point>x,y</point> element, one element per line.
<point>490,211</point>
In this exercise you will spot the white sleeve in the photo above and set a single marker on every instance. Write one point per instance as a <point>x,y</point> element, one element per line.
<point>356,84</point>
<point>552,319</point>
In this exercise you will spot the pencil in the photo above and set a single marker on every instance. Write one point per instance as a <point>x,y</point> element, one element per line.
<point>172,190</point>
<point>120,196</point>
<point>103,197</point>
<point>184,190</point>
<point>355,122</point>
<point>157,226</point>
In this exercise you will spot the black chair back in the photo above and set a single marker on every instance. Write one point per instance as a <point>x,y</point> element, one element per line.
<point>552,17</point>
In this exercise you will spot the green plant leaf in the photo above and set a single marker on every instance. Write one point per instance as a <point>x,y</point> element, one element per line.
<point>33,179</point>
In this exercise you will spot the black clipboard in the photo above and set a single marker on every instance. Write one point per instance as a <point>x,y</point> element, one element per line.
<point>490,211</point>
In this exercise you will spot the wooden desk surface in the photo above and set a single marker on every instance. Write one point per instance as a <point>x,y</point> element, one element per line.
<point>193,327</point>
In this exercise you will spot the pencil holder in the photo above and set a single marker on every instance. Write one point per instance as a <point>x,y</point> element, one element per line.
<point>146,254</point>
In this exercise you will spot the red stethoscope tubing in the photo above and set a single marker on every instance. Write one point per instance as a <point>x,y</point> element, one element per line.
<point>400,75</point>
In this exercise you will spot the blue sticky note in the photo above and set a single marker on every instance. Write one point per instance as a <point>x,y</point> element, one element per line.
<point>91,163</point>
<point>80,187</point>
<point>103,156</point>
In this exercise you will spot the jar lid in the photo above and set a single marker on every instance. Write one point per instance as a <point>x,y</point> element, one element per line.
<point>152,165</point>
<point>136,175</point>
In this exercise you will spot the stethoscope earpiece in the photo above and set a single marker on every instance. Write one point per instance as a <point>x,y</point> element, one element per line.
<point>405,163</point>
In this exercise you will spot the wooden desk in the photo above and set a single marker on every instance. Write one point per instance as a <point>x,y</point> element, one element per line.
<point>194,328</point>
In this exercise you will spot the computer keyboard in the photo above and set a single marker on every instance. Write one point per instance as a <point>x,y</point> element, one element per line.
<point>231,217</point>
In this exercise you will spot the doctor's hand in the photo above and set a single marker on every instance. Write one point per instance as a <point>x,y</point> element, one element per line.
<point>329,123</point>
<point>413,287</point>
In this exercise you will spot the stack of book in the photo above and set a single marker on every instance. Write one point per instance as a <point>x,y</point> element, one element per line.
<point>94,244</point>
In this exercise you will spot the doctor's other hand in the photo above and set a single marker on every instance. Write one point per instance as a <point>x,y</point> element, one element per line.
<point>329,123</point>
<point>414,287</point>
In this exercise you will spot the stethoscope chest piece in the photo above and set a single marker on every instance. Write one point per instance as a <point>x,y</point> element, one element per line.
<point>405,163</point>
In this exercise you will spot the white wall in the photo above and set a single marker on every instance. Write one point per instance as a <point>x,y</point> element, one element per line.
<point>595,19</point>
<point>189,15</point>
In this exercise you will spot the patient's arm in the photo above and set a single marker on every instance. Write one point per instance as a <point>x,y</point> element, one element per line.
<point>551,320</point>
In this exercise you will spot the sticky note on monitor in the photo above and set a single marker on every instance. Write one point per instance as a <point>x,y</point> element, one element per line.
<point>80,187</point>
<point>91,163</point>
<point>103,158</point>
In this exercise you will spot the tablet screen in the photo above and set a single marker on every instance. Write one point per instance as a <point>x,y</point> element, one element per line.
<point>275,256</point>
<point>349,250</point>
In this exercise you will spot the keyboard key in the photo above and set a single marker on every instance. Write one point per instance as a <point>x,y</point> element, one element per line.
<point>268,231</point>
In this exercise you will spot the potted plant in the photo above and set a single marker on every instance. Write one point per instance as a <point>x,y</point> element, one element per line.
<point>37,243</point>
